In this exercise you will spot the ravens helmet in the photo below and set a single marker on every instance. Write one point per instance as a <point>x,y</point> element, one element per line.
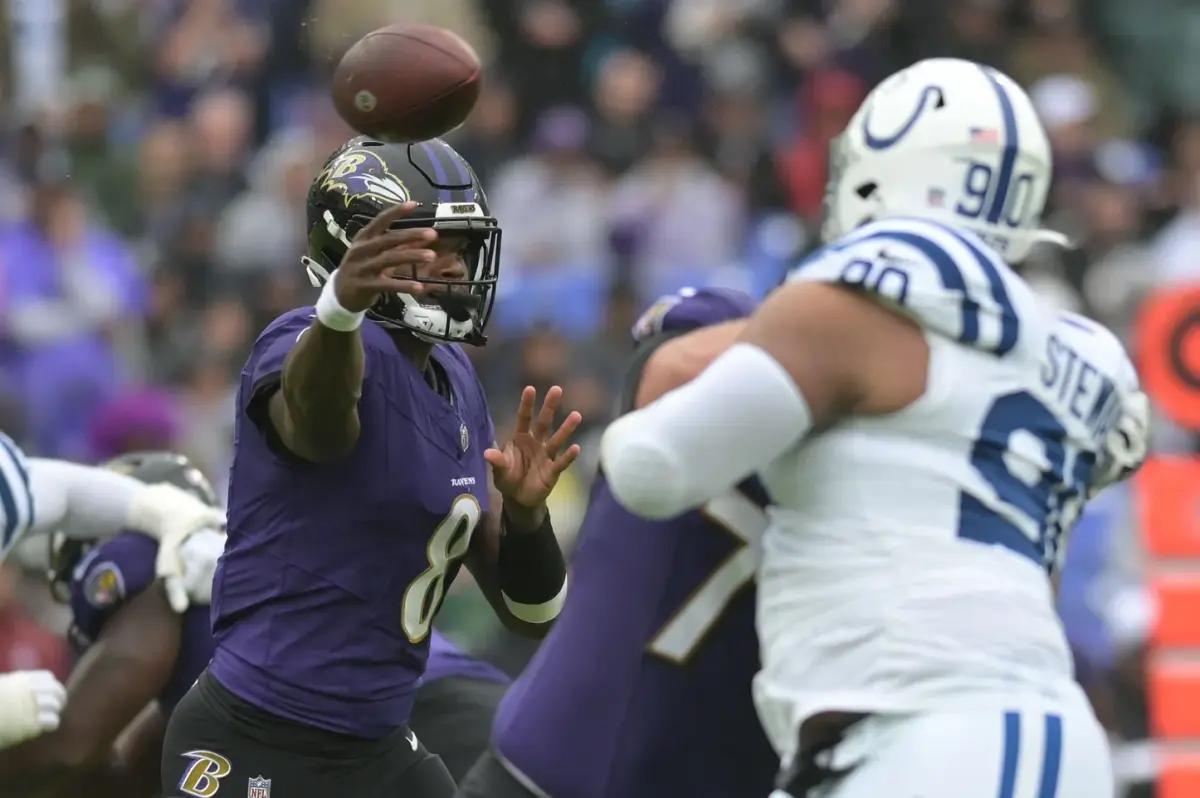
<point>364,177</point>
<point>148,467</point>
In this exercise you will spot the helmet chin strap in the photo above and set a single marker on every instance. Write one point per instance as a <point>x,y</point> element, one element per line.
<point>423,320</point>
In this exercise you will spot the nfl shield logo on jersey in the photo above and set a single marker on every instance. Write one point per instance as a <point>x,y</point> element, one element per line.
<point>464,437</point>
<point>259,788</point>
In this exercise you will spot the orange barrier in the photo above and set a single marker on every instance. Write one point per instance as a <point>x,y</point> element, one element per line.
<point>1173,697</point>
<point>1168,347</point>
<point>1167,496</point>
<point>1177,615</point>
<point>1179,776</point>
<point>1168,506</point>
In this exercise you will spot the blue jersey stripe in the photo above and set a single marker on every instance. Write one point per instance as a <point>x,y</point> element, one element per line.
<point>1052,758</point>
<point>1011,143</point>
<point>1012,747</point>
<point>1009,324</point>
<point>8,494</point>
<point>948,270</point>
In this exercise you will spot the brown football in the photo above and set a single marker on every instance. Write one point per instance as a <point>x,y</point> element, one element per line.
<point>407,82</point>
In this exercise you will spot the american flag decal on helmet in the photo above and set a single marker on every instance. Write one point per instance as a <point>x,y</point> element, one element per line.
<point>984,135</point>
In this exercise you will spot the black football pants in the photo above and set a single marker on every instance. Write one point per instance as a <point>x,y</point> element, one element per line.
<point>218,746</point>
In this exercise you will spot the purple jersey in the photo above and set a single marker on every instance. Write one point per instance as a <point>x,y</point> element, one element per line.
<point>324,597</point>
<point>448,661</point>
<point>642,689</point>
<point>112,573</point>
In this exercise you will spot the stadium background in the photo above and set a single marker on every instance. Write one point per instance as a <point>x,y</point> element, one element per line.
<point>155,154</point>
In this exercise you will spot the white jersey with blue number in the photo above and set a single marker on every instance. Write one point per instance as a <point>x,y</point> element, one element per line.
<point>16,496</point>
<point>907,562</point>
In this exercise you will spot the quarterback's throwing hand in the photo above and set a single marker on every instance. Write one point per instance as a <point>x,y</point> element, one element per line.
<point>529,465</point>
<point>378,255</point>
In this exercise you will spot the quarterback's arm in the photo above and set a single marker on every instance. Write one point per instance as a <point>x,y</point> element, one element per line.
<point>315,412</point>
<point>810,355</point>
<point>521,571</point>
<point>113,682</point>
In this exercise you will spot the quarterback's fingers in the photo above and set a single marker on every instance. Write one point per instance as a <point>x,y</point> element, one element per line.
<point>564,460</point>
<point>396,238</point>
<point>545,416</point>
<point>563,433</point>
<point>395,258</point>
<point>525,409</point>
<point>384,219</point>
<point>385,284</point>
<point>497,459</point>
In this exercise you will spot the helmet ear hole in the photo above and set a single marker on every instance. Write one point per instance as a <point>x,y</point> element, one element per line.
<point>865,190</point>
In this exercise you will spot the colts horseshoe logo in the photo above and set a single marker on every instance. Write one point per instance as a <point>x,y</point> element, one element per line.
<point>883,142</point>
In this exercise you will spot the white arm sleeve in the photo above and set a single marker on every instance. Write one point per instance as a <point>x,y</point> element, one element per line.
<point>83,501</point>
<point>700,440</point>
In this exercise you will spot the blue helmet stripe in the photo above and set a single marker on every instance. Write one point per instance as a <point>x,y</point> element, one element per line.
<point>1009,323</point>
<point>951,276</point>
<point>439,169</point>
<point>464,178</point>
<point>1011,144</point>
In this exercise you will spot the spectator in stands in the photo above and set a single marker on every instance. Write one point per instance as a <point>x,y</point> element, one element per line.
<point>551,204</point>
<point>681,221</point>
<point>624,93</point>
<point>69,286</point>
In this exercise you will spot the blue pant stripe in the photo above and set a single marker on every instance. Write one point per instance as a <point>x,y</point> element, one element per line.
<point>1012,747</point>
<point>1052,759</point>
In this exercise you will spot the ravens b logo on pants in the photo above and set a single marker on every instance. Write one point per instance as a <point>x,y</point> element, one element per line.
<point>203,777</point>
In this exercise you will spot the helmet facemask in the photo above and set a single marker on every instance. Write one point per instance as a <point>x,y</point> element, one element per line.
<point>457,310</point>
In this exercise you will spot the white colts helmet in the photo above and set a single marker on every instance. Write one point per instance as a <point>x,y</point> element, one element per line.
<point>949,140</point>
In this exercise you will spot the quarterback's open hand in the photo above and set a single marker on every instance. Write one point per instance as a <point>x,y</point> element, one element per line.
<point>529,465</point>
<point>370,266</point>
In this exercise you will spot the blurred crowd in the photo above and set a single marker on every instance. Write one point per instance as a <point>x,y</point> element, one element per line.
<point>155,156</point>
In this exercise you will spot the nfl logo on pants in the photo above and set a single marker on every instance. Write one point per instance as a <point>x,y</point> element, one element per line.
<point>259,788</point>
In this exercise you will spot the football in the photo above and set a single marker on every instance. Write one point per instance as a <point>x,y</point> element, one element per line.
<point>407,82</point>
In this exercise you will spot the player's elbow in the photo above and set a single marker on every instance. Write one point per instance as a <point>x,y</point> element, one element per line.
<point>75,752</point>
<point>324,442</point>
<point>641,473</point>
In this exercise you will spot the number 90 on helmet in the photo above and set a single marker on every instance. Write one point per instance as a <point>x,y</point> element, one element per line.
<point>366,176</point>
<point>948,140</point>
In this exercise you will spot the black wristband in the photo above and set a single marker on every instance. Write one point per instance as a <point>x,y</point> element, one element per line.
<point>532,571</point>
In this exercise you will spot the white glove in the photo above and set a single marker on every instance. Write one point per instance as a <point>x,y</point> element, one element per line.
<point>199,555</point>
<point>30,705</point>
<point>1128,441</point>
<point>171,515</point>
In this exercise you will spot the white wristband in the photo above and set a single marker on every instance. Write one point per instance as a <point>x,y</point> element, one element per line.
<point>331,313</point>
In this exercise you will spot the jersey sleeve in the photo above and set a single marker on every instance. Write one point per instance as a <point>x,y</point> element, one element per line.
<point>945,279</point>
<point>16,496</point>
<point>105,578</point>
<point>265,365</point>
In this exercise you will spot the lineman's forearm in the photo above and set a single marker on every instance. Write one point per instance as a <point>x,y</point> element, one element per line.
<point>80,500</point>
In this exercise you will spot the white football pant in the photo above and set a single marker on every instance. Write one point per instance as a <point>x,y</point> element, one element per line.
<point>1015,754</point>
